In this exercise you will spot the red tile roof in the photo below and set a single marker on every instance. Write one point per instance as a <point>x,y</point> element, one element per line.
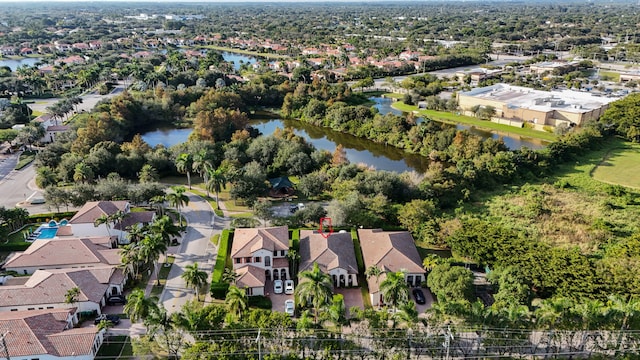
<point>247,241</point>
<point>250,276</point>
<point>94,209</point>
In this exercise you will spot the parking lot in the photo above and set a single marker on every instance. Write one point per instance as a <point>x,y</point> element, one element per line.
<point>277,300</point>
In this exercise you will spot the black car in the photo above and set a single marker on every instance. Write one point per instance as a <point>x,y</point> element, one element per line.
<point>115,319</point>
<point>419,296</point>
<point>116,299</point>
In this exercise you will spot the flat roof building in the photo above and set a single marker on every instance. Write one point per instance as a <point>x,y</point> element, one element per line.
<point>540,108</point>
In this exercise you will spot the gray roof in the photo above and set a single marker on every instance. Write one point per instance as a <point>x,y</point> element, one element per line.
<point>335,251</point>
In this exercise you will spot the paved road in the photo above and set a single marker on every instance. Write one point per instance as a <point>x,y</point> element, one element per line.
<point>19,186</point>
<point>89,100</point>
<point>196,247</point>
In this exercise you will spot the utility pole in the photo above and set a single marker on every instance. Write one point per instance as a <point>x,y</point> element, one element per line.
<point>5,349</point>
<point>259,348</point>
<point>447,342</point>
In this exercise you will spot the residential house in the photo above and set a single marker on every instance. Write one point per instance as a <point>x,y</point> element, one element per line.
<point>48,335</point>
<point>264,249</point>
<point>252,279</point>
<point>53,131</point>
<point>47,289</point>
<point>83,222</point>
<point>73,253</point>
<point>391,251</point>
<point>333,254</point>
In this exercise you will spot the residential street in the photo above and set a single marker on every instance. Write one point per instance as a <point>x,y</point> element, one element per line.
<point>16,186</point>
<point>197,247</point>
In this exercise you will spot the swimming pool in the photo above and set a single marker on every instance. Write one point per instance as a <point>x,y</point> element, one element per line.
<point>47,232</point>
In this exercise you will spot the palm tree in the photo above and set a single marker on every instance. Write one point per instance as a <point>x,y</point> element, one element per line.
<point>158,202</point>
<point>194,277</point>
<point>394,288</point>
<point>216,182</point>
<point>135,232</point>
<point>130,259</point>
<point>336,312</point>
<point>373,271</point>
<point>229,276</point>
<point>139,306</point>
<point>116,218</point>
<point>82,173</point>
<point>178,199</point>
<point>150,249</point>
<point>71,296</point>
<point>184,164</point>
<point>164,227</point>
<point>202,164</point>
<point>315,288</point>
<point>236,301</point>
<point>103,219</point>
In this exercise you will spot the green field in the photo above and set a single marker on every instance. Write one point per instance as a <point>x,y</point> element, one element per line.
<point>620,166</point>
<point>448,117</point>
<point>610,75</point>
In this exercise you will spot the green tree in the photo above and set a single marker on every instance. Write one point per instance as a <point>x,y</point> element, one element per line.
<point>82,173</point>
<point>451,283</point>
<point>165,228</point>
<point>184,164</point>
<point>624,114</point>
<point>139,306</point>
<point>216,182</point>
<point>315,288</point>
<point>194,277</point>
<point>236,301</point>
<point>263,210</point>
<point>178,199</point>
<point>72,296</point>
<point>148,174</point>
<point>394,288</point>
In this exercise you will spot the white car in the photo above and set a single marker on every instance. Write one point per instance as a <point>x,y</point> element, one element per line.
<point>289,307</point>
<point>288,287</point>
<point>277,286</point>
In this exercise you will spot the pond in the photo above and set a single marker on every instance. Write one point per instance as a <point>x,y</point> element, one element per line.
<point>238,59</point>
<point>359,151</point>
<point>512,141</point>
<point>166,136</point>
<point>13,64</point>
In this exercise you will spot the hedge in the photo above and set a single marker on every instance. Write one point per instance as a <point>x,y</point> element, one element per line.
<point>295,239</point>
<point>260,301</point>
<point>358,251</point>
<point>221,259</point>
<point>219,290</point>
<point>41,218</point>
<point>13,246</point>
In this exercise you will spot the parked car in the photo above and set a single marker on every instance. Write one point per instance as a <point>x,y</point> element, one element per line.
<point>419,296</point>
<point>289,307</point>
<point>293,208</point>
<point>115,319</point>
<point>277,286</point>
<point>116,299</point>
<point>288,287</point>
<point>36,201</point>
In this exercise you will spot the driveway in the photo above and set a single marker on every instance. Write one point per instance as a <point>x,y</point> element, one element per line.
<point>352,297</point>
<point>197,247</point>
<point>277,300</point>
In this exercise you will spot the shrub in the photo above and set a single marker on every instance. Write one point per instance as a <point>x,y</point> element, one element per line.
<point>21,246</point>
<point>221,259</point>
<point>41,218</point>
<point>261,302</point>
<point>219,290</point>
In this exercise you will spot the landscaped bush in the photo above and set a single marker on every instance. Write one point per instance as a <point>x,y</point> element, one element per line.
<point>41,218</point>
<point>25,159</point>
<point>261,302</point>
<point>219,290</point>
<point>21,246</point>
<point>221,259</point>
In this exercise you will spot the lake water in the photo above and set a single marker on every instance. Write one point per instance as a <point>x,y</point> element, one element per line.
<point>13,64</point>
<point>512,141</point>
<point>166,136</point>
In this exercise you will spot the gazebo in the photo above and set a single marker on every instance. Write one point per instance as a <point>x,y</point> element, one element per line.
<point>281,187</point>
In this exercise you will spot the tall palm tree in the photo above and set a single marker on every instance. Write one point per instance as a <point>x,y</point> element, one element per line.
<point>236,301</point>
<point>130,259</point>
<point>294,258</point>
<point>395,290</point>
<point>139,306</point>
<point>116,218</point>
<point>135,232</point>
<point>158,203</point>
<point>216,182</point>
<point>229,276</point>
<point>164,227</point>
<point>315,288</point>
<point>150,249</point>
<point>178,199</point>
<point>195,278</point>
<point>202,164</point>
<point>184,164</point>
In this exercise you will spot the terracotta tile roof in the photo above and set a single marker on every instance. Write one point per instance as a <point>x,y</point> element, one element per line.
<point>56,128</point>
<point>143,217</point>
<point>280,263</point>
<point>247,241</point>
<point>51,286</point>
<point>37,333</point>
<point>330,253</point>
<point>66,252</point>
<point>250,276</point>
<point>389,250</point>
<point>94,209</point>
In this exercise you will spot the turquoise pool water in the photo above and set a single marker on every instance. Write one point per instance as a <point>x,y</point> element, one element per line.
<point>47,232</point>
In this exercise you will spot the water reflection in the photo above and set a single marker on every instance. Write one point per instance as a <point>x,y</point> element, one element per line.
<point>166,136</point>
<point>358,150</point>
<point>13,64</point>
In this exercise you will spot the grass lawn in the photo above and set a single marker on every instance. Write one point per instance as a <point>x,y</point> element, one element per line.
<point>18,237</point>
<point>25,159</point>
<point>452,118</point>
<point>246,52</point>
<point>163,273</point>
<point>610,75</point>
<point>621,166</point>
